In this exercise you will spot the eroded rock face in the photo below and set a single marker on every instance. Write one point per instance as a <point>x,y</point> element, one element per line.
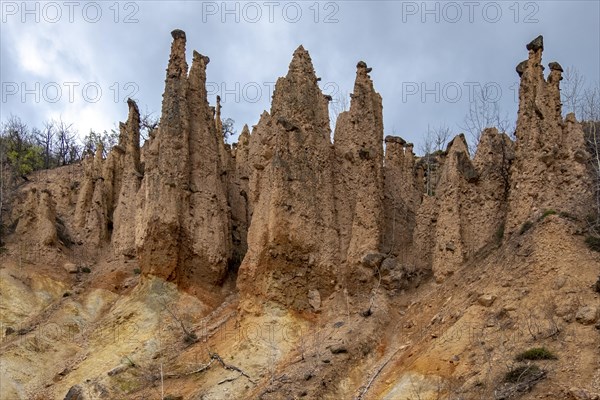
<point>105,210</point>
<point>37,224</point>
<point>238,196</point>
<point>457,172</point>
<point>549,168</point>
<point>91,212</point>
<point>486,214</point>
<point>359,171</point>
<point>303,215</point>
<point>292,240</point>
<point>402,198</point>
<point>129,169</point>
<point>183,232</point>
<point>468,210</point>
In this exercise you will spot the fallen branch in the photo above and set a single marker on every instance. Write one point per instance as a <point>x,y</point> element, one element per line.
<point>228,380</point>
<point>196,371</point>
<point>190,337</point>
<point>215,356</point>
<point>364,389</point>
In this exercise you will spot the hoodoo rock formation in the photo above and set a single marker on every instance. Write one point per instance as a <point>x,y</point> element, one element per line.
<point>359,170</point>
<point>402,197</point>
<point>549,171</point>
<point>302,214</point>
<point>183,232</point>
<point>292,240</point>
<point>333,242</point>
<point>130,171</point>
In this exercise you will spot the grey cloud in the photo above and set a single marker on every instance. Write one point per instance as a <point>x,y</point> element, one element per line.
<point>402,49</point>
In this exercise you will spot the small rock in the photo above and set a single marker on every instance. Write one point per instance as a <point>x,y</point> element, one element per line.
<point>178,34</point>
<point>338,349</point>
<point>117,370</point>
<point>395,139</point>
<point>560,282</point>
<point>314,299</point>
<point>521,67</point>
<point>486,300</point>
<point>450,246</point>
<point>587,315</point>
<point>75,393</point>
<point>389,264</point>
<point>554,66</point>
<point>70,268</point>
<point>536,44</point>
<point>373,260</point>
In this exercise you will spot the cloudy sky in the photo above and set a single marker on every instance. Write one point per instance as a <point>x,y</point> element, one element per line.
<point>79,61</point>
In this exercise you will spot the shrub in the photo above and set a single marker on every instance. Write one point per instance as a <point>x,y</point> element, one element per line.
<point>522,373</point>
<point>526,226</point>
<point>499,235</point>
<point>190,338</point>
<point>593,242</point>
<point>86,270</point>
<point>546,213</point>
<point>137,271</point>
<point>536,353</point>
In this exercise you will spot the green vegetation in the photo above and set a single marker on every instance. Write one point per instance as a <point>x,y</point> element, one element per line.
<point>86,270</point>
<point>522,373</point>
<point>526,226</point>
<point>137,271</point>
<point>593,242</point>
<point>547,213</point>
<point>499,235</point>
<point>536,353</point>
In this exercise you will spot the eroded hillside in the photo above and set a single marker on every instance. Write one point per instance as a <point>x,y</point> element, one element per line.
<point>290,266</point>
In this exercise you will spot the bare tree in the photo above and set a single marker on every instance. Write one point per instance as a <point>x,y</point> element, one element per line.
<point>590,113</point>
<point>228,128</point>
<point>45,138</point>
<point>571,90</point>
<point>584,101</point>
<point>433,143</point>
<point>66,149</point>
<point>590,104</point>
<point>148,123</point>
<point>339,104</point>
<point>484,113</point>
